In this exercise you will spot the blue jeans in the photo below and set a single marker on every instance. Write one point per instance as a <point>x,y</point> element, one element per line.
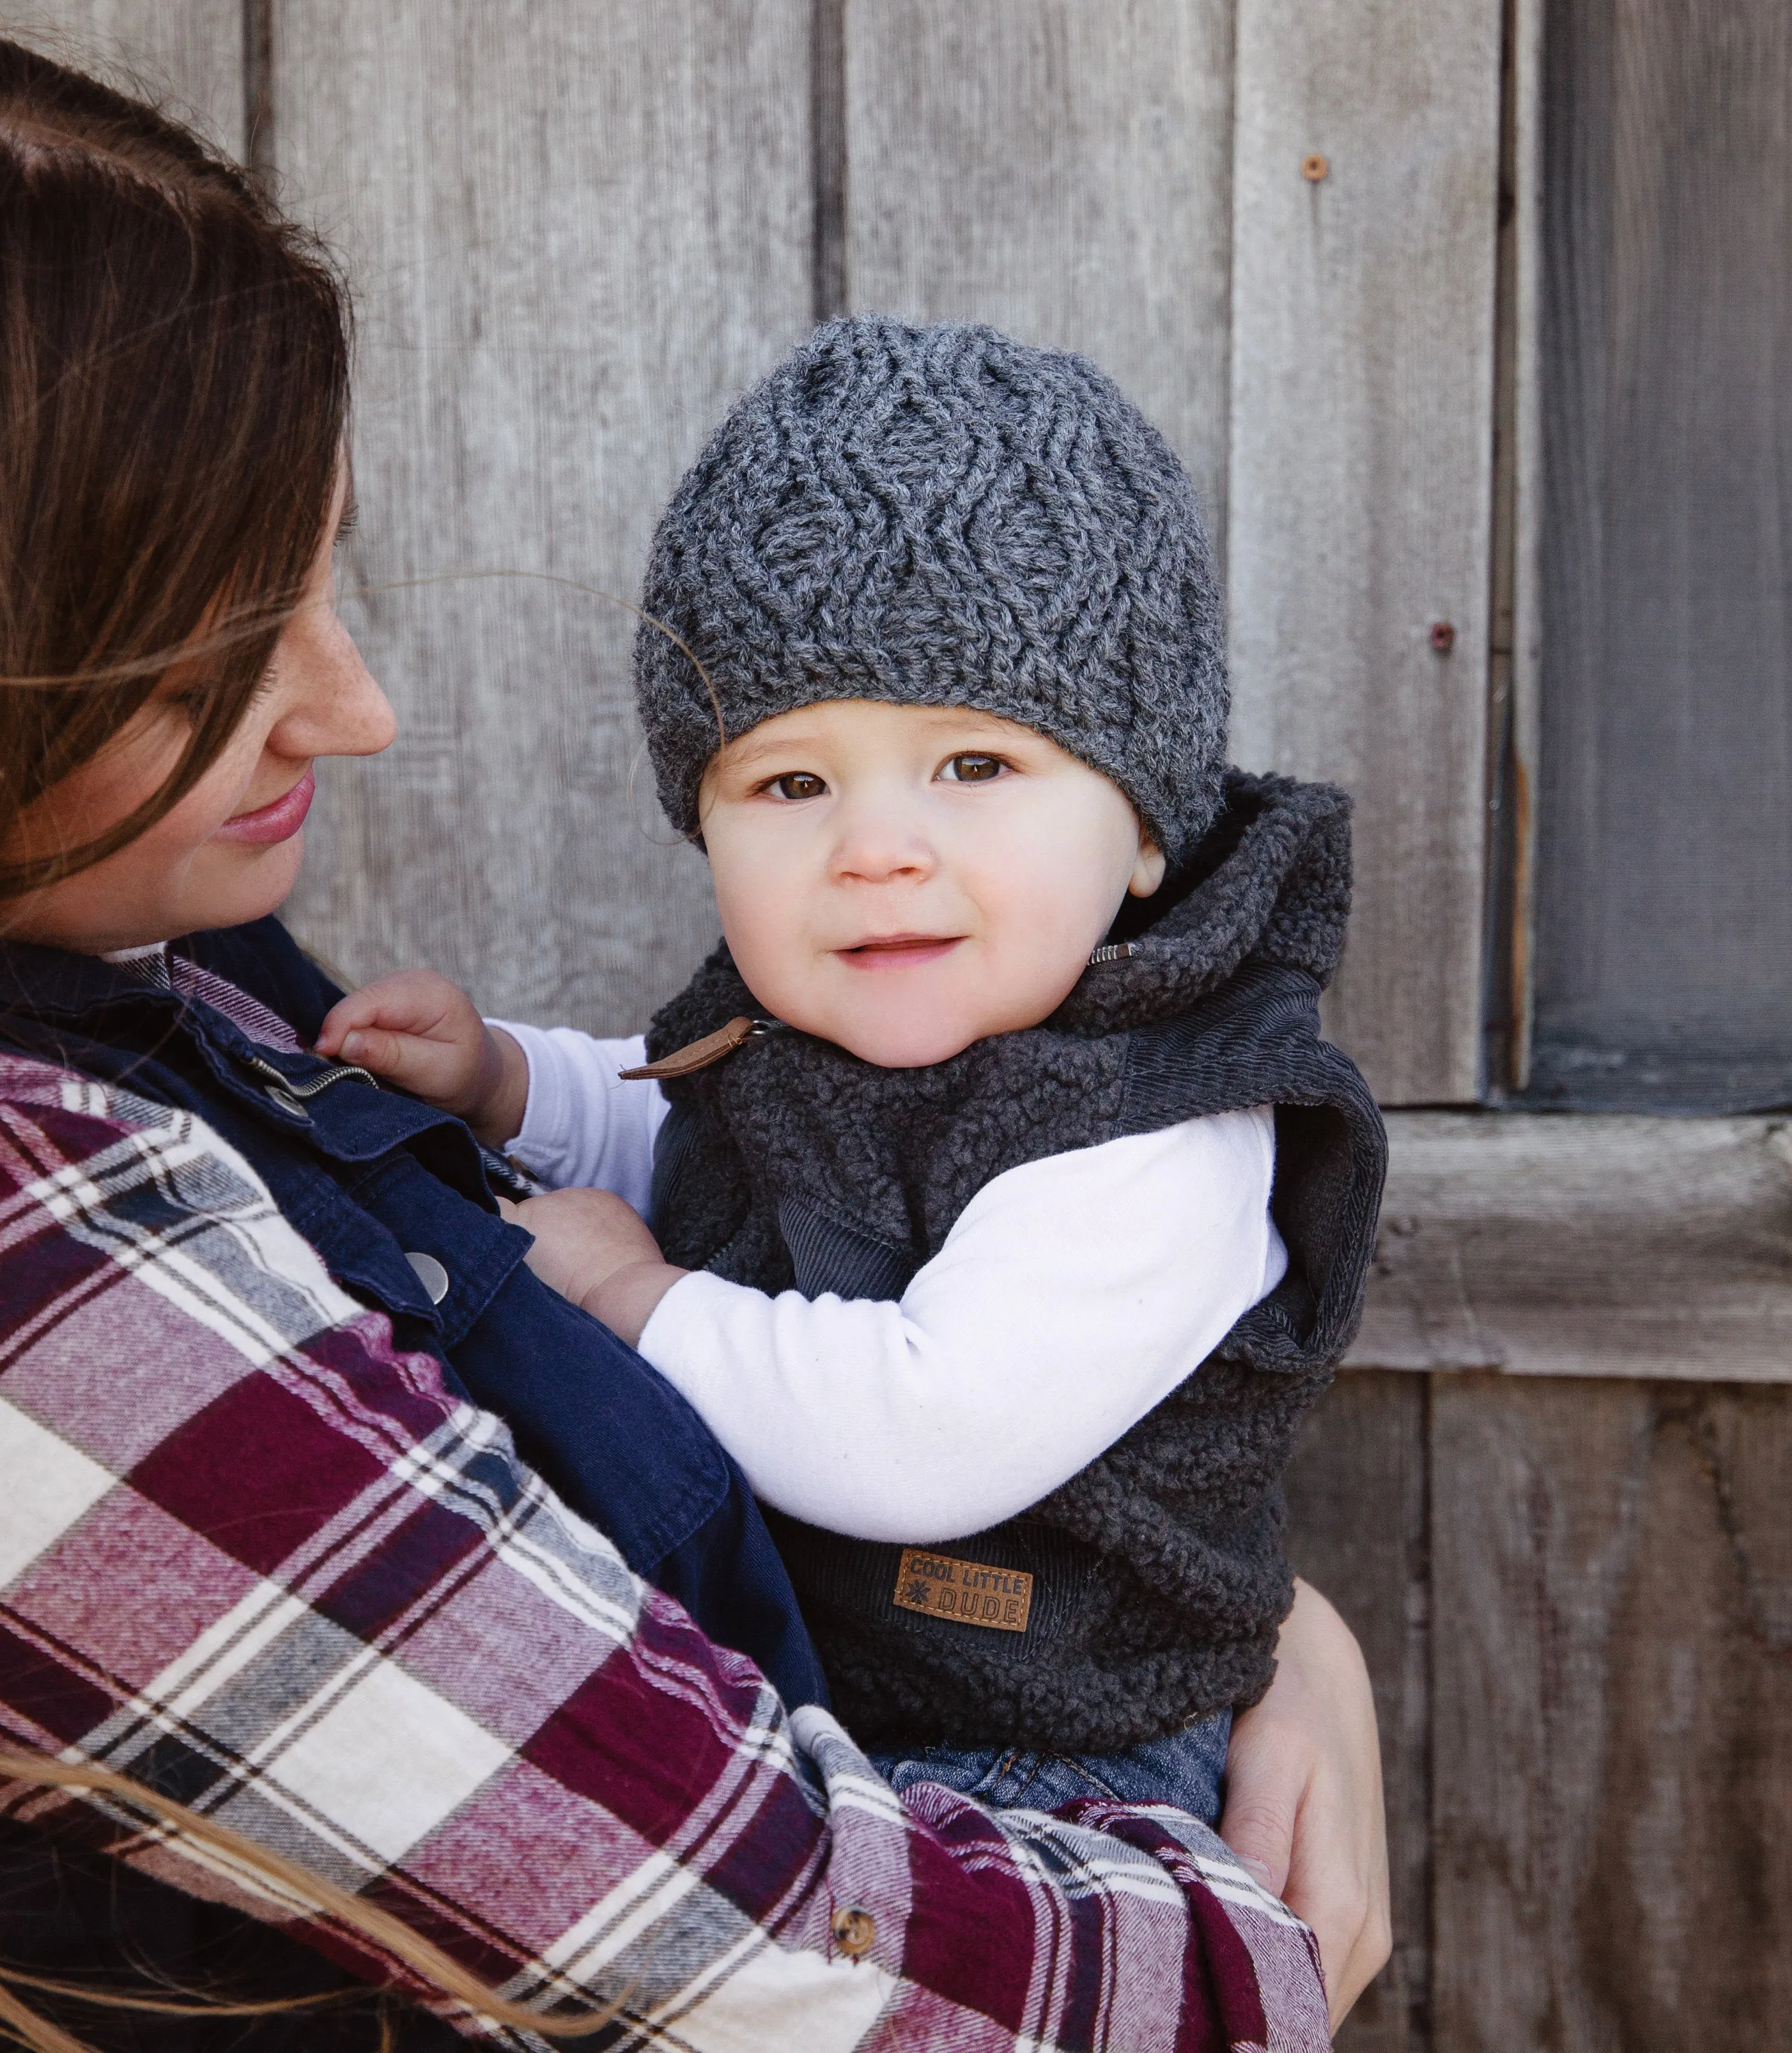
<point>1185,1770</point>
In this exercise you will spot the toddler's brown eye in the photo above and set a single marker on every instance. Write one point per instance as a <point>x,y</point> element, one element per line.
<point>797,784</point>
<point>972,769</point>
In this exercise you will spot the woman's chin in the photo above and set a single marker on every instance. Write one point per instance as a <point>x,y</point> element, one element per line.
<point>248,885</point>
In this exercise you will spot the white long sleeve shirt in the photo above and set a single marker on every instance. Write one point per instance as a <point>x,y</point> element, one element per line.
<point>1072,1296</point>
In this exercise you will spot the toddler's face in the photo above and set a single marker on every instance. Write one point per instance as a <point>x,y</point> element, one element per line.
<point>905,880</point>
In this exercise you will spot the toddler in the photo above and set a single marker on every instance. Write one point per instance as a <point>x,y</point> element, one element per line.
<point>1006,1209</point>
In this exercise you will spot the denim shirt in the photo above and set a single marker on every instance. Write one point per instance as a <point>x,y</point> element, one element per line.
<point>371,1178</point>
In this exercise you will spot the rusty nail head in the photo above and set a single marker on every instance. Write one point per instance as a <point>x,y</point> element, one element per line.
<point>1314,168</point>
<point>855,1931</point>
<point>1443,636</point>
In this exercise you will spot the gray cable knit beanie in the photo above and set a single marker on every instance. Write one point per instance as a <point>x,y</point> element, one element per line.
<point>942,516</point>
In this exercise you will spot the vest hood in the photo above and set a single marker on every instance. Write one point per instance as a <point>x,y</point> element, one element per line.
<point>1270,883</point>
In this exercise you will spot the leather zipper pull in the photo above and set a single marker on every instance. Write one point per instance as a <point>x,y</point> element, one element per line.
<point>700,1054</point>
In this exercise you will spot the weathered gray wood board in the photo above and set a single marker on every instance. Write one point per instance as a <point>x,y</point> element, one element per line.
<point>1575,1599</point>
<point>574,234</point>
<point>1061,170</point>
<point>1612,1759</point>
<point>1362,436</point>
<point>1664,914</point>
<point>1357,1529</point>
<point>1596,1245</point>
<point>184,54</point>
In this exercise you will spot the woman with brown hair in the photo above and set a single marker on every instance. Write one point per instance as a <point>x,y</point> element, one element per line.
<point>309,1681</point>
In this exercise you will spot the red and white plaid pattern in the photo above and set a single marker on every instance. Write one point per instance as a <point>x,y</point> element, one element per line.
<point>251,1553</point>
<point>160,966</point>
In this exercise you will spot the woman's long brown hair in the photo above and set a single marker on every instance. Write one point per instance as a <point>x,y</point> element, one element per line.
<point>173,395</point>
<point>295,1889</point>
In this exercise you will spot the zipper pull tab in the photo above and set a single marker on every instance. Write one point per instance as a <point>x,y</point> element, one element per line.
<point>700,1054</point>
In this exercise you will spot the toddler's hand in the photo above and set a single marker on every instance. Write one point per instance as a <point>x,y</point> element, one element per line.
<point>594,1248</point>
<point>417,1031</point>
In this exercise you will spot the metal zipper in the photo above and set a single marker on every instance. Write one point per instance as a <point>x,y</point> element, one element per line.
<point>290,1093</point>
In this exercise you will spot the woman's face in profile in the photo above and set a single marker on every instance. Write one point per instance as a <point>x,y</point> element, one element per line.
<point>230,850</point>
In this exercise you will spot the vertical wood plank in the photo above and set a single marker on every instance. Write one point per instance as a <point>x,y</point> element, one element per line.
<point>186,55</point>
<point>1357,1529</point>
<point>1062,171</point>
<point>575,234</point>
<point>1613,1650</point>
<point>1665,856</point>
<point>1361,443</point>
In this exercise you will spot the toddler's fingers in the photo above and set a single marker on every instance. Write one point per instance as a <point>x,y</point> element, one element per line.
<point>427,1069</point>
<point>417,1031</point>
<point>398,1057</point>
<point>390,1001</point>
<point>346,1013</point>
<point>408,1001</point>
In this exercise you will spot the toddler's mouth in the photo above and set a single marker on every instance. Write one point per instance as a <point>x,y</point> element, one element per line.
<point>899,951</point>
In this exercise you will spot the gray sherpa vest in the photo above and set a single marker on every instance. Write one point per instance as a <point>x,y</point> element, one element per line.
<point>1147,1590</point>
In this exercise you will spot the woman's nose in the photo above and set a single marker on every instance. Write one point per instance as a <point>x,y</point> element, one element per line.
<point>335,708</point>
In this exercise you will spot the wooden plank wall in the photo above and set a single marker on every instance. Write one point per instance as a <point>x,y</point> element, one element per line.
<point>1664,909</point>
<point>1076,175</point>
<point>1612,1739</point>
<point>1063,172</point>
<point>1576,1599</point>
<point>1363,231</point>
<point>1359,1529</point>
<point>186,54</point>
<point>1605,1245</point>
<point>575,233</point>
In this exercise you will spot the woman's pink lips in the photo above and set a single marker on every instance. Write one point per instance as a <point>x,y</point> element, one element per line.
<point>278,822</point>
<point>899,951</point>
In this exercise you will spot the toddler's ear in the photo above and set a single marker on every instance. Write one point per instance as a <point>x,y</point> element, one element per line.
<point>1148,872</point>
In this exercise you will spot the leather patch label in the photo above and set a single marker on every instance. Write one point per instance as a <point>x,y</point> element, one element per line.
<point>966,1592</point>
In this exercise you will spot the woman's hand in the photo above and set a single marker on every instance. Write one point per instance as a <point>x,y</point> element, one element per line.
<point>421,1032</point>
<point>593,1248</point>
<point>1304,1796</point>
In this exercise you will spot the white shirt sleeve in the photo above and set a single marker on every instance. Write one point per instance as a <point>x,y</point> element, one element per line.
<point>1072,1295</point>
<point>582,1125</point>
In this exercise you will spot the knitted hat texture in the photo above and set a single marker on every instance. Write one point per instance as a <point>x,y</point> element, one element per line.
<point>942,516</point>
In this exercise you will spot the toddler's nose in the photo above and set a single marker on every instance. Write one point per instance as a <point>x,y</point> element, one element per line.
<point>878,844</point>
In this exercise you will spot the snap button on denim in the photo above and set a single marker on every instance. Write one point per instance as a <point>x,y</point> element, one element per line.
<point>278,1095</point>
<point>431,1274</point>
